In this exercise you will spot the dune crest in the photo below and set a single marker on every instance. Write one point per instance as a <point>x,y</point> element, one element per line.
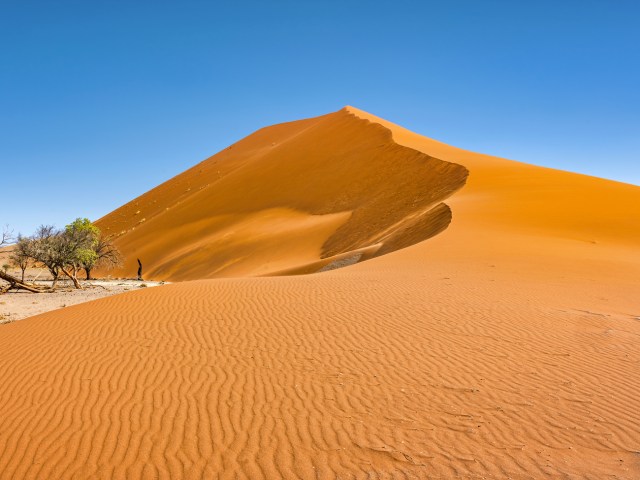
<point>336,166</point>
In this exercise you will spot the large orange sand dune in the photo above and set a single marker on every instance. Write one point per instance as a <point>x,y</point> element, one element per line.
<point>291,197</point>
<point>506,346</point>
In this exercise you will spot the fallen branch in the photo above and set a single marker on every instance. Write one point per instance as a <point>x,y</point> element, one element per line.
<point>16,284</point>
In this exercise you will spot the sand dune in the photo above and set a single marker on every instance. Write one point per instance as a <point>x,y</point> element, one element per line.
<point>506,346</point>
<point>318,188</point>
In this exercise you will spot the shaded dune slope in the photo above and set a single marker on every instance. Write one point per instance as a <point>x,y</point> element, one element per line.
<point>286,197</point>
<point>516,197</point>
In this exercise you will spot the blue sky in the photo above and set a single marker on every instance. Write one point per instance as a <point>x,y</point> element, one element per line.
<point>102,100</point>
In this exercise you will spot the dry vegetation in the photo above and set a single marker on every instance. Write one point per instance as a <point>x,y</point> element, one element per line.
<point>79,246</point>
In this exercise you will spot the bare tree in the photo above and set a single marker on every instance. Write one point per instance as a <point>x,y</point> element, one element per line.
<point>6,236</point>
<point>46,250</point>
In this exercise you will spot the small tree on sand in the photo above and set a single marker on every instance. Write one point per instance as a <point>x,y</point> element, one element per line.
<point>95,249</point>
<point>78,243</point>
<point>106,255</point>
<point>21,256</point>
<point>5,236</point>
<point>45,249</point>
<point>12,282</point>
<point>65,251</point>
<point>79,246</point>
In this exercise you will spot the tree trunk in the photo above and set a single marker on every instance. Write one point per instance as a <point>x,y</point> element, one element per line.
<point>73,278</point>
<point>55,280</point>
<point>22,278</point>
<point>15,283</point>
<point>88,271</point>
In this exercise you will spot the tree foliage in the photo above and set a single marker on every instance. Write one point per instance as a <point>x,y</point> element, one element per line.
<point>105,254</point>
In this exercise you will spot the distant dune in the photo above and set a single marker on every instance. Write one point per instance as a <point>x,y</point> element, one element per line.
<point>504,346</point>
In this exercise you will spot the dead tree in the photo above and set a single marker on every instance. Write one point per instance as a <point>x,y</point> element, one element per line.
<point>6,236</point>
<point>16,284</point>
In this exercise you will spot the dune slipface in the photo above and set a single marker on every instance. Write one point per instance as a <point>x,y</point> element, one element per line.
<point>506,346</point>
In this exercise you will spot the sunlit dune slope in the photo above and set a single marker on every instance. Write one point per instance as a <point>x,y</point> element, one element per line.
<point>505,347</point>
<point>285,198</point>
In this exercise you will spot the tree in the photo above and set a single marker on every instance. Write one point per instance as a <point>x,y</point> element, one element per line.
<point>78,244</point>
<point>106,255</point>
<point>94,249</point>
<point>21,255</point>
<point>45,249</point>
<point>61,251</point>
<point>5,237</point>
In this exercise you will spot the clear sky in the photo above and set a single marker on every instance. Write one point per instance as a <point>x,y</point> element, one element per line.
<point>102,100</point>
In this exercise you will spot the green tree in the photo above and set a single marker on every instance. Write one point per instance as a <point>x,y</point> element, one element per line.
<point>106,255</point>
<point>63,251</point>
<point>96,249</point>
<point>78,245</point>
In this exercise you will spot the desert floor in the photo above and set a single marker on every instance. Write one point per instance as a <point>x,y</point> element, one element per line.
<point>19,304</point>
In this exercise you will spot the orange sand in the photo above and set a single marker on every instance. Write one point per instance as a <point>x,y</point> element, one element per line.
<point>506,346</point>
<point>291,196</point>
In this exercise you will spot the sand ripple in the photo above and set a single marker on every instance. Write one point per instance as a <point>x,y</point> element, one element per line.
<point>309,377</point>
